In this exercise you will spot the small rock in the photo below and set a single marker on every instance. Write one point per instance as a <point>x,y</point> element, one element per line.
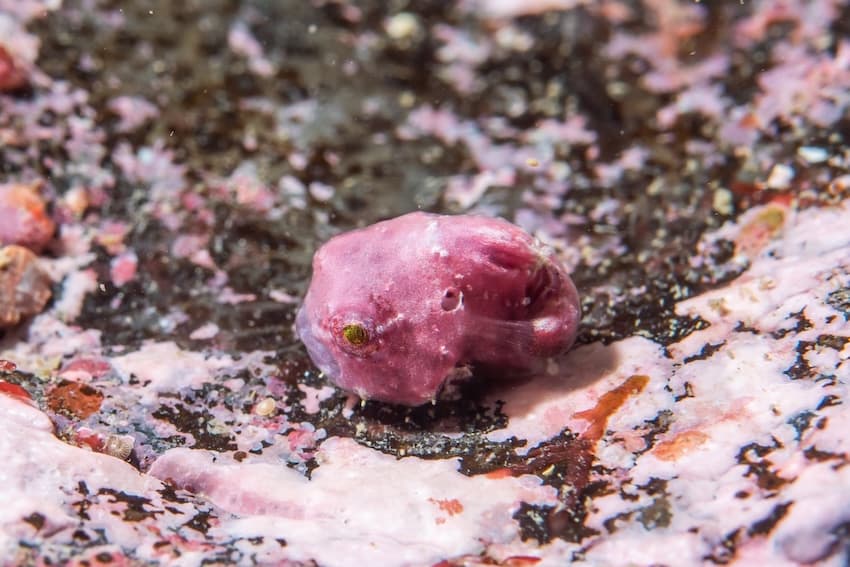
<point>813,154</point>
<point>723,202</point>
<point>23,216</point>
<point>12,77</point>
<point>24,287</point>
<point>265,407</point>
<point>780,176</point>
<point>402,26</point>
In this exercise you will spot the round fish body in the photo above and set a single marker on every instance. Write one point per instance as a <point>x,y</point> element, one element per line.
<point>395,308</point>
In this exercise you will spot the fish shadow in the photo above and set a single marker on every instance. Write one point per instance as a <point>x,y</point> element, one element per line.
<point>576,370</point>
<point>474,405</point>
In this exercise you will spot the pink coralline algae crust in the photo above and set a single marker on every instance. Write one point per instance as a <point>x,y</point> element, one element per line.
<point>123,268</point>
<point>395,308</point>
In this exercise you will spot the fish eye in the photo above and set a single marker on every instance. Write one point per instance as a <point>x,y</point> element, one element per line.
<point>355,334</point>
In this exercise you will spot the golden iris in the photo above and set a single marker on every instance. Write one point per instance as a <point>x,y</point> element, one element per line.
<point>355,334</point>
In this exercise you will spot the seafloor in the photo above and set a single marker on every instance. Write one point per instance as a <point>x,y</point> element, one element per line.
<point>688,161</point>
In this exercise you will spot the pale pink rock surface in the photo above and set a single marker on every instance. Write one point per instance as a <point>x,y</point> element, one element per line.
<point>395,308</point>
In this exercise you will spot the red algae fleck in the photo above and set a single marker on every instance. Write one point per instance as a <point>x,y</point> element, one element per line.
<point>451,506</point>
<point>609,403</point>
<point>14,391</point>
<point>683,443</point>
<point>499,473</point>
<point>513,561</point>
<point>74,399</point>
<point>85,437</point>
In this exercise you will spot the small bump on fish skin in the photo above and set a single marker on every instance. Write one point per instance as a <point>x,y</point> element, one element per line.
<point>452,299</point>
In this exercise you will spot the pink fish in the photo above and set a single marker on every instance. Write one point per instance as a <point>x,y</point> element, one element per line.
<point>394,309</point>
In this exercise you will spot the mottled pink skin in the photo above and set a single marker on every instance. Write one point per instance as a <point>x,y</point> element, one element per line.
<point>434,293</point>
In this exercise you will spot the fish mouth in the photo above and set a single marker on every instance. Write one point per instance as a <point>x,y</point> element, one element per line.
<point>554,309</point>
<point>319,353</point>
